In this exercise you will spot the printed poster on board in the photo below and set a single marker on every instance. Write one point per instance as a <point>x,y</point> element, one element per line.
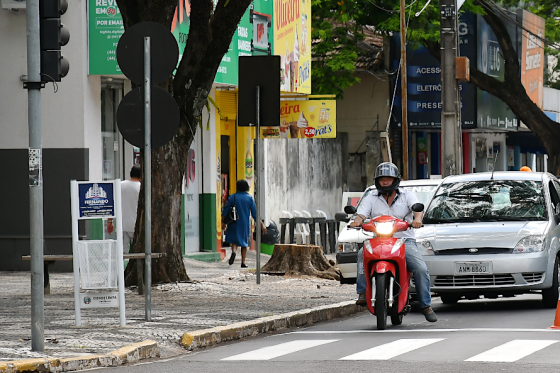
<point>304,119</point>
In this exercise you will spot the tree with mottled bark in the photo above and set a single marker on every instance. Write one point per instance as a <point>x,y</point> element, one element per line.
<point>212,27</point>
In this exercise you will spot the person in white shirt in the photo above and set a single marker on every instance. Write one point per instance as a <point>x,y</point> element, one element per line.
<point>130,190</point>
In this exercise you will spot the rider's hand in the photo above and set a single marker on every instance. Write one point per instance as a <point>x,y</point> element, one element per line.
<point>356,222</point>
<point>416,224</point>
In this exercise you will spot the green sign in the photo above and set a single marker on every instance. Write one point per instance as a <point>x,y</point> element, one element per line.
<point>253,36</point>
<point>105,29</point>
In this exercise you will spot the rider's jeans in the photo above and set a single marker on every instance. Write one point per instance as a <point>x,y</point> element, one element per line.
<point>414,263</point>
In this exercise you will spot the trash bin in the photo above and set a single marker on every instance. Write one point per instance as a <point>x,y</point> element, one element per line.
<point>271,237</point>
<point>98,264</point>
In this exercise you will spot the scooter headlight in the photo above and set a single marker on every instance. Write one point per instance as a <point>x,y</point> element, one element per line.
<point>368,247</point>
<point>384,228</point>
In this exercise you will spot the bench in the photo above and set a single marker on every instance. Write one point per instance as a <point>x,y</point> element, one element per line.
<point>50,259</point>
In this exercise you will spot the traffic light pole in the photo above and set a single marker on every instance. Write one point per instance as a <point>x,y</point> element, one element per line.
<point>452,163</point>
<point>33,86</point>
<point>404,92</point>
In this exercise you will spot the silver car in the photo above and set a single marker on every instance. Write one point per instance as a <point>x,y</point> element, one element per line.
<point>493,234</point>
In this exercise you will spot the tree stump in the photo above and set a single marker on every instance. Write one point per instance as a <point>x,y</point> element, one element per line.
<point>300,260</point>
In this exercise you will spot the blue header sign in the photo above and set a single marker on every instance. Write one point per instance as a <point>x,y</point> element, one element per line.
<point>96,200</point>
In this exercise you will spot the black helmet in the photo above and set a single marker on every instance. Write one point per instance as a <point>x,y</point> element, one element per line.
<point>387,169</point>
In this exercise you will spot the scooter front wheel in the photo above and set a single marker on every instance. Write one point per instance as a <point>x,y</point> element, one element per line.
<point>381,300</point>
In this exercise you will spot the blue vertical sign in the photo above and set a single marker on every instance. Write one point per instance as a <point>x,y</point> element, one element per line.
<point>96,200</point>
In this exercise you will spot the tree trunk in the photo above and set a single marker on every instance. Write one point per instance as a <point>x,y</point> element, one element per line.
<point>511,90</point>
<point>300,260</point>
<point>211,30</point>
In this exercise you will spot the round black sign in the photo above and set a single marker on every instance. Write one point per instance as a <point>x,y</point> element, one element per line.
<point>165,117</point>
<point>164,52</point>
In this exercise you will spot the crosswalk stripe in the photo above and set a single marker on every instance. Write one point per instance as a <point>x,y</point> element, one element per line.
<point>390,350</point>
<point>512,351</point>
<point>272,352</point>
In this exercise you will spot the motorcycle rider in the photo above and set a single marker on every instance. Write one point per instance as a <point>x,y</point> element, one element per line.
<point>394,201</point>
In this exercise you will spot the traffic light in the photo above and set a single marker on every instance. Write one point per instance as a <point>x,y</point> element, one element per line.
<point>53,35</point>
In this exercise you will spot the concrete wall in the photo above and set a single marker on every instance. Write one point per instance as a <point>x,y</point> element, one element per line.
<point>303,174</point>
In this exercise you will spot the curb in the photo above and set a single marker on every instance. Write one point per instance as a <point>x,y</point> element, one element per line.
<point>213,336</point>
<point>128,354</point>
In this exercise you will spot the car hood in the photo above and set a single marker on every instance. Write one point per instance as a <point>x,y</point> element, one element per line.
<point>490,234</point>
<point>352,235</point>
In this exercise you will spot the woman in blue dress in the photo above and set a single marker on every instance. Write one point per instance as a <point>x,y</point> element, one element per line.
<point>238,232</point>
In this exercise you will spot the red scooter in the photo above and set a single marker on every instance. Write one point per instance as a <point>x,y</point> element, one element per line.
<point>387,278</point>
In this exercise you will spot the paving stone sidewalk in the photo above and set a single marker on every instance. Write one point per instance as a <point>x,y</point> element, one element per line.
<point>219,295</point>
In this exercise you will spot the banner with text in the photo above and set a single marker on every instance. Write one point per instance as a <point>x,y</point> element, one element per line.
<point>304,119</point>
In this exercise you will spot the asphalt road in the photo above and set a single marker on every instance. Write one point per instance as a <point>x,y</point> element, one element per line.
<point>504,335</point>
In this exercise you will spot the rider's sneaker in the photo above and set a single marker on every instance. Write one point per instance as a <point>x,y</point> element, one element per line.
<point>361,301</point>
<point>429,314</point>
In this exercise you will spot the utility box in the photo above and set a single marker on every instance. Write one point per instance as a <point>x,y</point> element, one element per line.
<point>462,69</point>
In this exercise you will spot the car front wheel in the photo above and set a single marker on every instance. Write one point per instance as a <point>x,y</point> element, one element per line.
<point>550,296</point>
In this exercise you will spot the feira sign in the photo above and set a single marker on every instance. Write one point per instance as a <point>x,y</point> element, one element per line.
<point>253,36</point>
<point>98,264</point>
<point>304,119</point>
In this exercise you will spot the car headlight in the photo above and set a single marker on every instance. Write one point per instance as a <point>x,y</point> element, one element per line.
<point>425,247</point>
<point>348,247</point>
<point>368,247</point>
<point>529,244</point>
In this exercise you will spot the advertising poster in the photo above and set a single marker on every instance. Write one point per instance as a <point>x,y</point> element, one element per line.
<point>532,55</point>
<point>292,42</point>
<point>422,150</point>
<point>304,119</point>
<point>191,200</point>
<point>105,28</point>
<point>96,200</point>
<point>252,37</point>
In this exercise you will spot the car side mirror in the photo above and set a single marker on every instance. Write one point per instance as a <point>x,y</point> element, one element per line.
<point>341,216</point>
<point>350,209</point>
<point>418,207</point>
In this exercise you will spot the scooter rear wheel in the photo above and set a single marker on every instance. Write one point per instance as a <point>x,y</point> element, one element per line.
<point>381,300</point>
<point>396,319</point>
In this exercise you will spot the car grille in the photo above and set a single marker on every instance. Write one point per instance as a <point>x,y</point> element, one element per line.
<point>474,280</point>
<point>480,251</point>
<point>533,277</point>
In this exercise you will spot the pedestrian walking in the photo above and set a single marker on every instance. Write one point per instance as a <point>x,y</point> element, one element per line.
<point>130,190</point>
<point>238,232</point>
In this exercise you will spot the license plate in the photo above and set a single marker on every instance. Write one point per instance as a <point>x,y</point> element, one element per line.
<point>473,268</point>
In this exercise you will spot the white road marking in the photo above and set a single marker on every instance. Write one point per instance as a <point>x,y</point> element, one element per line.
<point>271,352</point>
<point>390,350</point>
<point>512,351</point>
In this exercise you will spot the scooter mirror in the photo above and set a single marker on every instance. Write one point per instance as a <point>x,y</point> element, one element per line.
<point>341,216</point>
<point>418,207</point>
<point>350,209</point>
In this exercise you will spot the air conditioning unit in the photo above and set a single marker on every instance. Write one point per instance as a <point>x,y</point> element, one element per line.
<point>13,4</point>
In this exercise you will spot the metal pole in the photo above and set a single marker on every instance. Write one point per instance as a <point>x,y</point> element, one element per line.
<point>147,180</point>
<point>258,185</point>
<point>450,118</point>
<point>35,177</point>
<point>120,260</point>
<point>404,92</point>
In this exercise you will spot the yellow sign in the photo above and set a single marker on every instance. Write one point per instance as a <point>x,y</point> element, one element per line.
<point>304,119</point>
<point>292,42</point>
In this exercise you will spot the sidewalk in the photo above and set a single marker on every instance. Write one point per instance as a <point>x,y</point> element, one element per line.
<point>220,297</point>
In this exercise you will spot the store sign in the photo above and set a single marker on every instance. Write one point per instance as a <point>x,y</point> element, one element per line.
<point>491,111</point>
<point>253,36</point>
<point>304,119</point>
<point>292,42</point>
<point>424,81</point>
<point>532,55</point>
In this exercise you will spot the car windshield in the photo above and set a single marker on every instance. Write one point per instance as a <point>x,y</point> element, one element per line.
<point>423,193</point>
<point>489,200</point>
